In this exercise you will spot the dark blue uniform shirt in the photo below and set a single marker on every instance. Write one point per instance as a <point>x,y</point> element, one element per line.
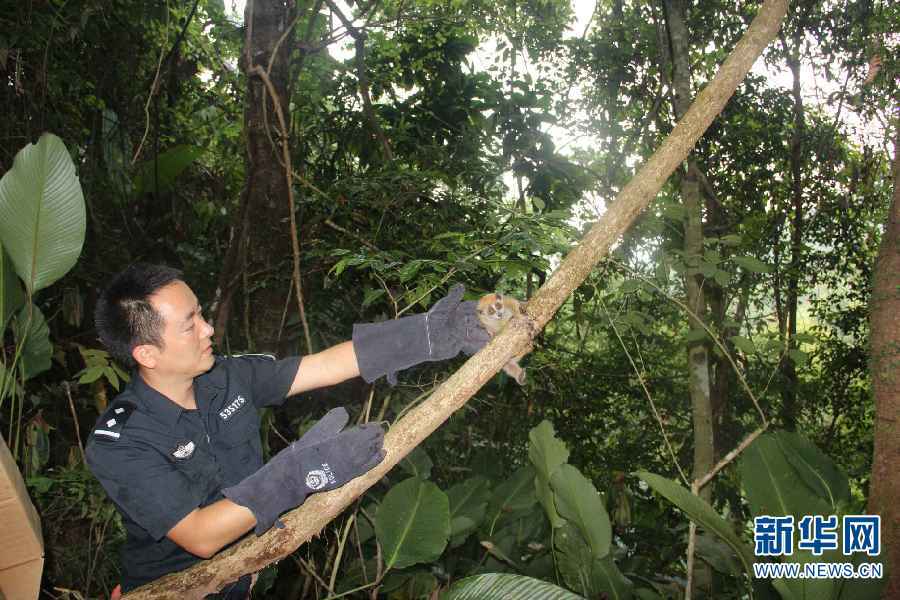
<point>158,461</point>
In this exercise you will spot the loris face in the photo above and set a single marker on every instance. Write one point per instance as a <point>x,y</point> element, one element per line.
<point>492,311</point>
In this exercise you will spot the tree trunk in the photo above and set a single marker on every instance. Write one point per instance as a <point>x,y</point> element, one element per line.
<point>263,241</point>
<point>698,355</point>
<point>884,488</point>
<point>789,407</point>
<point>254,553</point>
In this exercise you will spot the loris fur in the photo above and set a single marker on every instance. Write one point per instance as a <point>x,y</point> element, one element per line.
<point>494,312</point>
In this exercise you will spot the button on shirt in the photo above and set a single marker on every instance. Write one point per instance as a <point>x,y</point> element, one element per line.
<point>158,462</point>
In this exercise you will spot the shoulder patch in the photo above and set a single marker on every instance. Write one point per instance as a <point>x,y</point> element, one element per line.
<point>269,356</point>
<point>109,427</point>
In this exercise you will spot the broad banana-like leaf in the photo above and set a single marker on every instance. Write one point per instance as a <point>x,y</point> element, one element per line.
<point>701,513</point>
<point>816,469</point>
<point>573,558</point>
<point>577,501</point>
<point>42,217</point>
<point>37,350</point>
<point>547,453</point>
<point>116,148</point>
<point>773,486</point>
<point>163,171</point>
<point>413,523</point>
<point>863,589</point>
<point>504,586</point>
<point>11,295</point>
<point>609,581</point>
<point>718,555</point>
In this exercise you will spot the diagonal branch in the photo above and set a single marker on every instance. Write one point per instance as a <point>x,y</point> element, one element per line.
<point>301,524</point>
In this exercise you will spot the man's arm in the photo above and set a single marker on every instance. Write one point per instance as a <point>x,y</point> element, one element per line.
<point>205,531</point>
<point>328,367</point>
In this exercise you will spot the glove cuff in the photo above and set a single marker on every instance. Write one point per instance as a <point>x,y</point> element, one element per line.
<point>390,346</point>
<point>264,496</point>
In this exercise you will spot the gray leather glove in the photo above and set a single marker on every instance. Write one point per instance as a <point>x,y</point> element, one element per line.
<point>323,459</point>
<point>390,346</point>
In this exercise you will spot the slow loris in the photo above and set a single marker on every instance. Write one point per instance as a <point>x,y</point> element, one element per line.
<point>494,311</point>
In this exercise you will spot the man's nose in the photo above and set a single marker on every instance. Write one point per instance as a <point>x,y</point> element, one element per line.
<point>208,329</point>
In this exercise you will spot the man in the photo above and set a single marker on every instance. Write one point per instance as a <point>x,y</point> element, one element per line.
<point>178,451</point>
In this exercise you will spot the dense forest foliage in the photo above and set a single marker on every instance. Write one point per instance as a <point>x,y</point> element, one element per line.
<point>417,144</point>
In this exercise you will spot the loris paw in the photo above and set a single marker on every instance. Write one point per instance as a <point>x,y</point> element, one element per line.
<point>520,378</point>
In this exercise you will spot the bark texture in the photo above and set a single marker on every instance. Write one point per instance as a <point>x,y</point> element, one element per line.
<point>263,244</point>
<point>698,354</point>
<point>790,408</point>
<point>884,490</point>
<point>301,524</point>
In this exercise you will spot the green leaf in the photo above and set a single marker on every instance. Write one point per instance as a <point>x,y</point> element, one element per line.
<point>37,350</point>
<point>514,494</point>
<point>405,584</point>
<point>417,463</point>
<point>707,269</point>
<point>718,555</point>
<point>165,170</point>
<point>371,295</point>
<point>547,453</point>
<point>410,269</point>
<point>116,145</point>
<point>578,501</point>
<point>772,485</point>
<point>723,278</point>
<point>816,469</point>
<point>42,217</point>
<point>413,523</point>
<point>751,263</point>
<point>701,513</point>
<point>468,504</point>
<point>12,297</point>
<point>743,344</point>
<point>573,557</point>
<point>111,376</point>
<point>609,580</point>
<point>695,335</point>
<point>809,588</point>
<point>630,285</point>
<point>90,375</point>
<point>863,589</point>
<point>506,586</point>
<point>798,356</point>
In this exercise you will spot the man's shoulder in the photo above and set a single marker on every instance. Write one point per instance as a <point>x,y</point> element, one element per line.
<point>250,357</point>
<point>111,427</point>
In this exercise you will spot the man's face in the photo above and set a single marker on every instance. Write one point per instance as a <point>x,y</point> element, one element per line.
<point>186,336</point>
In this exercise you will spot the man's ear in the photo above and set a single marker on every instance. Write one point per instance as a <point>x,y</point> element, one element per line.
<point>146,355</point>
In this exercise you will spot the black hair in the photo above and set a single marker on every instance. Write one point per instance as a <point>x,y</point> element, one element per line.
<point>124,316</point>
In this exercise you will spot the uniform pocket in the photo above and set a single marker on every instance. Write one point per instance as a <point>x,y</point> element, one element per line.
<point>238,446</point>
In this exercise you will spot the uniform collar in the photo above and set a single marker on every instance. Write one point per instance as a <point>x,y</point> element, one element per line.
<point>154,402</point>
<point>167,410</point>
<point>215,377</point>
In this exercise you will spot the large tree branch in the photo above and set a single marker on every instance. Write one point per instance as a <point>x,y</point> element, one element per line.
<point>254,553</point>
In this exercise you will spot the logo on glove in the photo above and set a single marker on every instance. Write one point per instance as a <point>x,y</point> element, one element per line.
<point>319,478</point>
